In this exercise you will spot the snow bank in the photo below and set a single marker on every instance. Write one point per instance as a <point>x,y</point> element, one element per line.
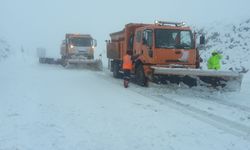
<point>232,40</point>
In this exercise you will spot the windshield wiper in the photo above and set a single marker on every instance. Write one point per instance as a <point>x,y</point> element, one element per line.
<point>166,46</point>
<point>183,46</point>
<point>187,47</point>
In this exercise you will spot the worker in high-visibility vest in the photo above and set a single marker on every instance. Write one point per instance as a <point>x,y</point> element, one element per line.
<point>214,61</point>
<point>127,67</point>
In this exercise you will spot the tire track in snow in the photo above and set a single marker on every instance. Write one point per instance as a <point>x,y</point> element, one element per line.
<point>221,101</point>
<point>229,104</point>
<point>219,122</point>
<point>213,104</point>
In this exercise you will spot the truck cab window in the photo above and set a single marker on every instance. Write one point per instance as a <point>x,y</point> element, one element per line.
<point>81,42</point>
<point>138,36</point>
<point>169,38</point>
<point>147,38</point>
<point>185,38</point>
<point>131,42</point>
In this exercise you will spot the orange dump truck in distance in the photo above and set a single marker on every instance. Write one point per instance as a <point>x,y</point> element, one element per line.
<point>78,50</point>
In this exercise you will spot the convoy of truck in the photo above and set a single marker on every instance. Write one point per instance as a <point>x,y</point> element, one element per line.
<point>167,52</point>
<point>76,50</point>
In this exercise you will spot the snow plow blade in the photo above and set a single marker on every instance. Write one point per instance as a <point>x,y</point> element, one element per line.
<point>46,60</point>
<point>90,63</point>
<point>227,80</point>
<point>69,63</point>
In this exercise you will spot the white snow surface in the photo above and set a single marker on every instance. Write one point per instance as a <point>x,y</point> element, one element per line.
<point>4,49</point>
<point>50,107</point>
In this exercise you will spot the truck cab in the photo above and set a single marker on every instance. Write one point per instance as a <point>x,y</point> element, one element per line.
<point>166,44</point>
<point>78,45</point>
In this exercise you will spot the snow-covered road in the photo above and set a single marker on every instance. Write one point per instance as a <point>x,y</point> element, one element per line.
<point>49,107</point>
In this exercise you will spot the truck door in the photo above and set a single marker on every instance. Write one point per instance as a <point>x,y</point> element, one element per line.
<point>137,46</point>
<point>147,45</point>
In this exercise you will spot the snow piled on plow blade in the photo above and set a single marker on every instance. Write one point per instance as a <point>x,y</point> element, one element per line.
<point>227,80</point>
<point>92,63</point>
<point>82,61</point>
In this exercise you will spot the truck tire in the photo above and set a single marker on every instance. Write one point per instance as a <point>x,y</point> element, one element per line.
<point>64,63</point>
<point>141,79</point>
<point>116,69</point>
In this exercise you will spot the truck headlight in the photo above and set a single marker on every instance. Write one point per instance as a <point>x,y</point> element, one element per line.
<point>71,46</point>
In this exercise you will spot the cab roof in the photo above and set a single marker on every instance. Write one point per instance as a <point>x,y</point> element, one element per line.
<point>161,25</point>
<point>78,35</point>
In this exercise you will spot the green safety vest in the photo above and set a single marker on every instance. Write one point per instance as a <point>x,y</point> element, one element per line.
<point>214,62</point>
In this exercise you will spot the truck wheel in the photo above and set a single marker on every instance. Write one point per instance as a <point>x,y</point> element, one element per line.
<point>141,79</point>
<point>116,73</point>
<point>65,63</point>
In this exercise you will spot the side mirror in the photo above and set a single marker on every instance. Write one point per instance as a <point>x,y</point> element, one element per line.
<point>202,40</point>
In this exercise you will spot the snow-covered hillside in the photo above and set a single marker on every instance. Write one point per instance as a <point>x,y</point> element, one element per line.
<point>232,40</point>
<point>4,49</point>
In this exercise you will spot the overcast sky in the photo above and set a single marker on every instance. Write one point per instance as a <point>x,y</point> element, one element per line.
<point>43,23</point>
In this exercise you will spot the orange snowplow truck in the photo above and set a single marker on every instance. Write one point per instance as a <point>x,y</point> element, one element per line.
<point>163,44</point>
<point>167,53</point>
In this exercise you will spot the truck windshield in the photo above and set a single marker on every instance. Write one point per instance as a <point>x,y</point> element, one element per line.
<point>81,42</point>
<point>168,38</point>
